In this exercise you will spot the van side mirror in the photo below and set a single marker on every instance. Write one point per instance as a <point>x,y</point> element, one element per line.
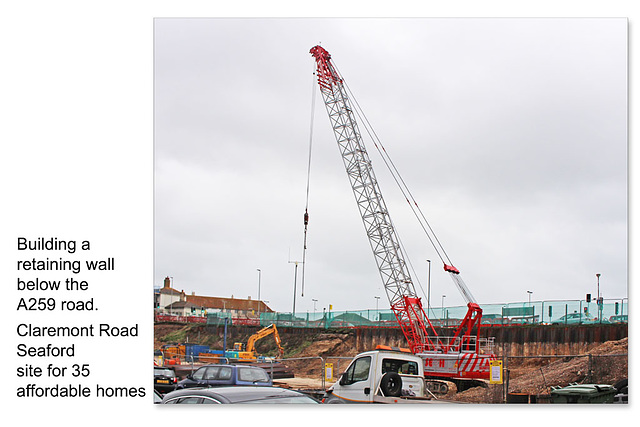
<point>344,380</point>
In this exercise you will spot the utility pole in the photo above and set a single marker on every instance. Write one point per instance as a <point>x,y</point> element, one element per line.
<point>259,280</point>
<point>295,279</point>
<point>429,288</point>
<point>259,303</point>
<point>598,300</point>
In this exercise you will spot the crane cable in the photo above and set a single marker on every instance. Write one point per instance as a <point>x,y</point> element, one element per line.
<point>422,220</point>
<point>306,207</point>
<point>435,242</point>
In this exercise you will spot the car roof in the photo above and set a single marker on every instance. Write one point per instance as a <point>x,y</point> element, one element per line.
<point>230,366</point>
<point>235,394</point>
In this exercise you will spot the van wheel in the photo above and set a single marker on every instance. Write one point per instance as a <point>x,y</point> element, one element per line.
<point>391,384</point>
<point>333,400</point>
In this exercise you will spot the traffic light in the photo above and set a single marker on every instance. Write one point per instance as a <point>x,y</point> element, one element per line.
<point>550,311</point>
<point>588,297</point>
<point>617,308</point>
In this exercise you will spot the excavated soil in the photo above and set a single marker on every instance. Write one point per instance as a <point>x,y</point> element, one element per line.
<point>537,376</point>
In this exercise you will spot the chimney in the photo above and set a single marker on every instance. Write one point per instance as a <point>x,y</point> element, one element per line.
<point>193,294</point>
<point>167,282</point>
<point>183,298</point>
<point>249,297</point>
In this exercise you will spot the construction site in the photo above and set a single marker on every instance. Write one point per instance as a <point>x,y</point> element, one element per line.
<point>535,359</point>
<point>541,352</point>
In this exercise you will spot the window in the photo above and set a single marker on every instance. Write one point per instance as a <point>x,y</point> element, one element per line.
<point>218,373</point>
<point>225,373</point>
<point>165,372</point>
<point>186,400</point>
<point>189,400</point>
<point>358,371</point>
<point>252,375</point>
<point>399,366</point>
<point>212,373</point>
<point>199,374</point>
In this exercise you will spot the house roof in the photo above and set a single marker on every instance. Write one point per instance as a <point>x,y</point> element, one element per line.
<point>181,304</point>
<point>170,291</point>
<point>229,303</point>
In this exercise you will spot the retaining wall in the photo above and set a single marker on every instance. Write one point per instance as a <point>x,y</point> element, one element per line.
<point>525,340</point>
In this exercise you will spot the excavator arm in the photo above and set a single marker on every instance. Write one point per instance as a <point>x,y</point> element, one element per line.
<point>268,330</point>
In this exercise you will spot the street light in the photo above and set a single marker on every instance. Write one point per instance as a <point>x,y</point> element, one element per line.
<point>314,304</point>
<point>259,280</point>
<point>598,300</point>
<point>443,297</point>
<point>529,292</point>
<point>429,287</point>
<point>295,279</point>
<point>377,299</point>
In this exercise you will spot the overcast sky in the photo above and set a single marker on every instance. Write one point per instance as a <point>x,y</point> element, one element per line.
<point>510,133</point>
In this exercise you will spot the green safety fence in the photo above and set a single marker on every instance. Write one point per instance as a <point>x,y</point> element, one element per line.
<point>561,312</point>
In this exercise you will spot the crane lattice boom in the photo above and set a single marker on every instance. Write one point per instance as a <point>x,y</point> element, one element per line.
<point>382,236</point>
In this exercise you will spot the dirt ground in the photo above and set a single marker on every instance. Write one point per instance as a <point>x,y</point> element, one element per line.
<point>536,376</point>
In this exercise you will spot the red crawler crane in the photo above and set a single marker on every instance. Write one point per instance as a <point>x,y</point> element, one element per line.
<point>456,357</point>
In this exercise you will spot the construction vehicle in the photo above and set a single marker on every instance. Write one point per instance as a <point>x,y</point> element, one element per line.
<point>458,358</point>
<point>249,352</point>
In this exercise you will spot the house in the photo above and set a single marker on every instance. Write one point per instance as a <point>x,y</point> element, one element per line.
<point>171,301</point>
<point>237,307</point>
<point>167,295</point>
<point>183,308</point>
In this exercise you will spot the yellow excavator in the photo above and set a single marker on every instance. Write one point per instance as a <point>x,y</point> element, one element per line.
<point>249,352</point>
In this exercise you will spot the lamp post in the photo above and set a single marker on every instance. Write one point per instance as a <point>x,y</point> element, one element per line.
<point>598,300</point>
<point>529,293</point>
<point>443,297</point>
<point>314,304</point>
<point>429,287</point>
<point>295,279</point>
<point>259,280</point>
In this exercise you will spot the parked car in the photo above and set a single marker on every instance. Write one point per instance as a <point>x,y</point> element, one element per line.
<point>244,394</point>
<point>164,379</point>
<point>622,318</point>
<point>226,375</point>
<point>576,318</point>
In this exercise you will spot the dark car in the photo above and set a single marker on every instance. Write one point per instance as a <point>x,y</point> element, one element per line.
<point>226,375</point>
<point>244,394</point>
<point>164,379</point>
